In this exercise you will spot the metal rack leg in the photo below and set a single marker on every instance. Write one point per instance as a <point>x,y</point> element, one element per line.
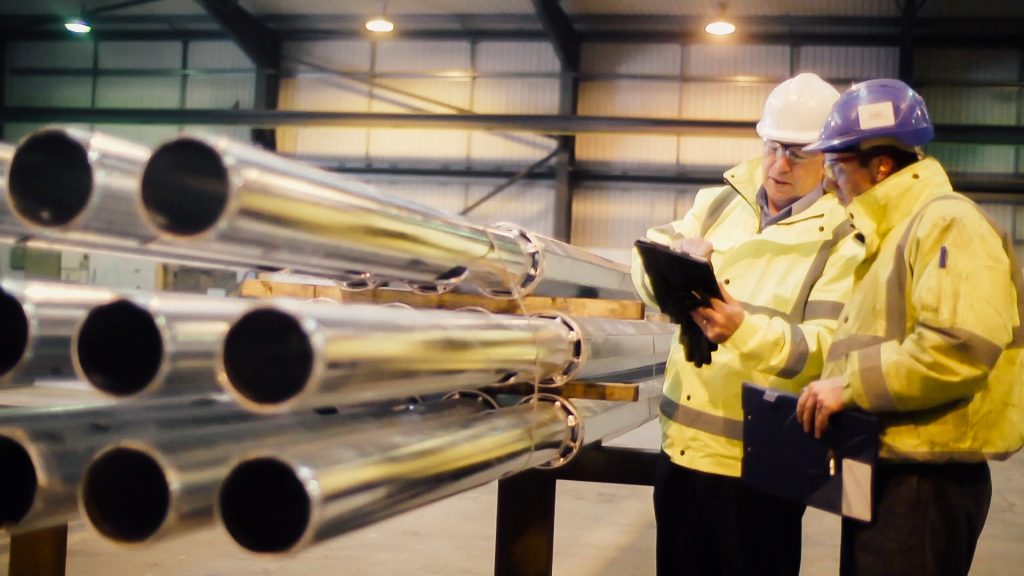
<point>525,539</point>
<point>40,552</point>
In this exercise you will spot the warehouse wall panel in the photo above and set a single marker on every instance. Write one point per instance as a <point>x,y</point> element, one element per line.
<point>966,64</point>
<point>140,55</point>
<point>343,55</point>
<point>526,204</point>
<point>235,91</point>
<point>49,91</point>
<point>710,152</point>
<point>64,54</point>
<point>520,57</point>
<point>721,101</point>
<point>849,62</point>
<point>515,96</point>
<point>423,56</point>
<point>971,105</point>
<point>628,149</point>
<point>508,149</point>
<point>607,58</point>
<point>607,219</point>
<point>212,54</point>
<point>120,92</point>
<point>701,60</point>
<point>974,158</point>
<point>630,98</point>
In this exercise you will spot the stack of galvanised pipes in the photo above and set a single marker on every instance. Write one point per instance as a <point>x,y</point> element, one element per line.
<point>216,201</point>
<point>314,436</point>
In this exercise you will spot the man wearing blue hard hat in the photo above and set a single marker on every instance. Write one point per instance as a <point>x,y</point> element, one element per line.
<point>931,340</point>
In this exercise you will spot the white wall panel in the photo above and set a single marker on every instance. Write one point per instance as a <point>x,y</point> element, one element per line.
<point>207,54</point>
<point>992,65</point>
<point>240,133</point>
<point>328,142</point>
<point>627,149</point>
<point>63,54</point>
<point>1001,213</point>
<point>516,96</point>
<point>722,101</point>
<point>498,57</point>
<point>445,145</point>
<point>151,136</point>
<point>323,93</point>
<point>508,149</point>
<point>121,92</point>
<point>421,56</point>
<point>701,60</point>
<point>449,198</point>
<point>710,152</point>
<point>636,98</point>
<point>631,58</point>
<point>526,204</point>
<point>235,91</point>
<point>971,105</point>
<point>414,95</point>
<point>607,219</point>
<point>344,55</point>
<point>148,55</point>
<point>850,62</point>
<point>992,159</point>
<point>61,91</point>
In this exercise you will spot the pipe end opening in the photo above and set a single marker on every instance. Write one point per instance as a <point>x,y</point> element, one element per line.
<point>185,187</point>
<point>13,332</point>
<point>18,483</point>
<point>50,179</point>
<point>119,348</point>
<point>126,495</point>
<point>264,506</point>
<point>268,357</point>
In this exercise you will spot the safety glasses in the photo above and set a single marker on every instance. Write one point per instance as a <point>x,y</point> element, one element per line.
<point>831,164</point>
<point>794,153</point>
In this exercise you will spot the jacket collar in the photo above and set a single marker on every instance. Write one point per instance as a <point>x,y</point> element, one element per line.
<point>876,212</point>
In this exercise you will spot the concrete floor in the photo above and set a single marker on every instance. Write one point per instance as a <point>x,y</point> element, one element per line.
<point>601,530</point>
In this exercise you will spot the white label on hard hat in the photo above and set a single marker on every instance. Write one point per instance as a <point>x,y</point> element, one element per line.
<point>876,115</point>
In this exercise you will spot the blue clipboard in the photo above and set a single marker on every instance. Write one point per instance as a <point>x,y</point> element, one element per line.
<point>834,473</point>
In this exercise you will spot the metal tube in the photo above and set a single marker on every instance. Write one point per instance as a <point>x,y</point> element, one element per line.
<point>614,347</point>
<point>238,200</point>
<point>39,320</point>
<point>289,354</point>
<point>73,180</point>
<point>43,454</point>
<point>10,228</point>
<point>154,343</point>
<point>282,501</point>
<point>142,490</point>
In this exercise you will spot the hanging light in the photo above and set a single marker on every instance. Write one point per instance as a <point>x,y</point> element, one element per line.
<point>381,23</point>
<point>78,26</point>
<point>720,26</point>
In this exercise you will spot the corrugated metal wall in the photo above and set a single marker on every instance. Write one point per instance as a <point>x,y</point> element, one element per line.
<point>698,81</point>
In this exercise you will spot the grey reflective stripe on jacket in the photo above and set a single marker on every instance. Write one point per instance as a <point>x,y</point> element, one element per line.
<point>693,418</point>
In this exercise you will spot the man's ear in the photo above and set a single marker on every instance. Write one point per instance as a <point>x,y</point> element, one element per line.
<point>883,168</point>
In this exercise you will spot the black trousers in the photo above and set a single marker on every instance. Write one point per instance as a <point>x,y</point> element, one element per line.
<point>715,525</point>
<point>927,521</point>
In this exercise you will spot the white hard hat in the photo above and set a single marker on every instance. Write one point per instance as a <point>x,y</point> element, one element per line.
<point>796,110</point>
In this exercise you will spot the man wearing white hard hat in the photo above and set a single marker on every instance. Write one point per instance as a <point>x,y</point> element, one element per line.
<point>782,249</point>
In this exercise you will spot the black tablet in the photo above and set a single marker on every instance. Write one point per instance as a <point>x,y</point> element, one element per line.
<point>678,279</point>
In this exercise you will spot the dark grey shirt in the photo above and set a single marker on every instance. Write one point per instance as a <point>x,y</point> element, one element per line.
<point>795,208</point>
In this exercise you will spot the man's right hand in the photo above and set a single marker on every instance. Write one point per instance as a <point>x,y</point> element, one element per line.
<point>692,246</point>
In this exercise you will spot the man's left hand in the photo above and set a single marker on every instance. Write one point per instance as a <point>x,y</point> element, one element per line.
<point>820,400</point>
<point>721,319</point>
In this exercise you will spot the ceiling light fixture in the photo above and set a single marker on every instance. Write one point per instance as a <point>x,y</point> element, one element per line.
<point>78,26</point>
<point>381,23</point>
<point>720,26</point>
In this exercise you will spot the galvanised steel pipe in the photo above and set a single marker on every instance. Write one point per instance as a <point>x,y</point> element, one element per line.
<point>43,452</point>
<point>39,320</point>
<point>280,501</point>
<point>141,490</point>
<point>236,200</point>
<point>612,347</point>
<point>70,180</point>
<point>154,344</point>
<point>10,228</point>
<point>286,354</point>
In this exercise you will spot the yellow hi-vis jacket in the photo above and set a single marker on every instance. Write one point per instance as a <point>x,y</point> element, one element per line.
<point>793,279</point>
<point>932,338</point>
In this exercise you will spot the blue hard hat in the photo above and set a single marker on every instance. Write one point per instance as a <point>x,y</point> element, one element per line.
<point>876,109</point>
